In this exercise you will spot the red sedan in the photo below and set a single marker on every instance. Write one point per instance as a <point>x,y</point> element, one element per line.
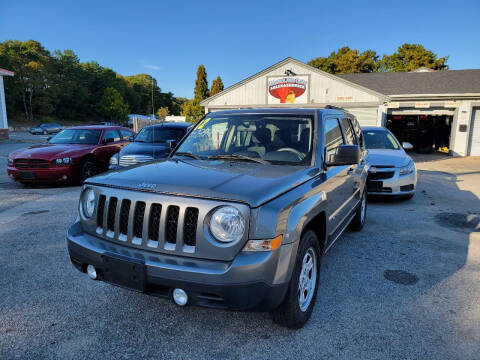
<point>73,154</point>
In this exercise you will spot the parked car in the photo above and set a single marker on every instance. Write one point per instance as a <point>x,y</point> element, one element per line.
<point>46,129</point>
<point>238,217</point>
<point>392,172</point>
<point>151,143</point>
<point>73,154</point>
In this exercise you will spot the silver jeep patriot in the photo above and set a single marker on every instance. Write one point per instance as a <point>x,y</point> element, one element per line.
<point>237,217</point>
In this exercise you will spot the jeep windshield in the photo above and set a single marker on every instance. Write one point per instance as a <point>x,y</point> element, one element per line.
<point>272,138</point>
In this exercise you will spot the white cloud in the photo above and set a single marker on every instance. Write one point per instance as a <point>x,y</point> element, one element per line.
<point>152,67</point>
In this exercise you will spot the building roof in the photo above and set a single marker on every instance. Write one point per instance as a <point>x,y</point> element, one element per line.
<point>402,83</point>
<point>4,72</point>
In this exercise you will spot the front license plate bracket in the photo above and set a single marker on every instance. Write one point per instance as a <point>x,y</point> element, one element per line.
<point>127,273</point>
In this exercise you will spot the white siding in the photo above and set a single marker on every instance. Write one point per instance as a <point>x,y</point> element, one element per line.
<point>323,89</point>
<point>365,116</point>
<point>474,147</point>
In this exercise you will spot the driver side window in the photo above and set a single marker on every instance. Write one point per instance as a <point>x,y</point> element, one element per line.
<point>333,136</point>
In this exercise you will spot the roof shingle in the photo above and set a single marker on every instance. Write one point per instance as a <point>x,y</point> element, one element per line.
<point>438,82</point>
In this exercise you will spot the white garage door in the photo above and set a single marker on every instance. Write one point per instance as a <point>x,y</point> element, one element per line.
<point>365,116</point>
<point>474,148</point>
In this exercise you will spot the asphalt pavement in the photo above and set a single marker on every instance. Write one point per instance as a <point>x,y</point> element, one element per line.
<point>405,287</point>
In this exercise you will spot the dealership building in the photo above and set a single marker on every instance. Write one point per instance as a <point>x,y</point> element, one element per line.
<point>432,109</point>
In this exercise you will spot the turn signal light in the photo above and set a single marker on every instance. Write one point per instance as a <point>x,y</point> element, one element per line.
<point>263,245</point>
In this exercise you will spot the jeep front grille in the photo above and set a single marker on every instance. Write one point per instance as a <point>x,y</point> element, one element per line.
<point>149,225</point>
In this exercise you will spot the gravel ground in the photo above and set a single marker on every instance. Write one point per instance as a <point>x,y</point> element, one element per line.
<point>50,310</point>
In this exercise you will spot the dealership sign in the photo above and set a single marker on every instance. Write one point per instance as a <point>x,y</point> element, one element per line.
<point>288,90</point>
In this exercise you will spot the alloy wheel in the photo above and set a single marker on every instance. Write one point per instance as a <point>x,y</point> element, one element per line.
<point>307,279</point>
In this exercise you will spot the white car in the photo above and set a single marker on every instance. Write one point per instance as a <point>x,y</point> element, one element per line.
<point>392,172</point>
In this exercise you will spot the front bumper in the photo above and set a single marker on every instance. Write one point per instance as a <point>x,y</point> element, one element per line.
<point>395,186</point>
<point>47,175</point>
<point>242,284</point>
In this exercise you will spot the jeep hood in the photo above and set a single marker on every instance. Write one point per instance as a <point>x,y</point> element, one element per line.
<point>250,183</point>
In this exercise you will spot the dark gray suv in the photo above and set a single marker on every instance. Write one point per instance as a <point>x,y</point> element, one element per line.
<point>237,217</point>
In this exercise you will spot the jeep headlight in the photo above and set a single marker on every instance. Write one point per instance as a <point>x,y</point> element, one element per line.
<point>114,159</point>
<point>227,224</point>
<point>87,203</point>
<point>10,161</point>
<point>410,168</point>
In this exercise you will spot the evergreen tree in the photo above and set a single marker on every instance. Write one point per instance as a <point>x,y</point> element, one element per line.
<point>201,84</point>
<point>217,86</point>
<point>193,111</point>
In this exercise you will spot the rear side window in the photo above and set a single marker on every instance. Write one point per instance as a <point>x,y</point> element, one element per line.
<point>333,136</point>
<point>348,131</point>
<point>125,134</point>
<point>112,134</point>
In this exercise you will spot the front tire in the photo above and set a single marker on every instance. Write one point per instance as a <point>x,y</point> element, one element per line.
<point>297,306</point>
<point>88,168</point>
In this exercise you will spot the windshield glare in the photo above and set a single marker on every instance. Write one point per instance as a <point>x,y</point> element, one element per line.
<point>379,139</point>
<point>77,136</point>
<point>277,139</point>
<point>159,134</point>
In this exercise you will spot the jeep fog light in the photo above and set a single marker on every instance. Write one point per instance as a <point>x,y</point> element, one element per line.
<point>180,297</point>
<point>227,224</point>
<point>263,245</point>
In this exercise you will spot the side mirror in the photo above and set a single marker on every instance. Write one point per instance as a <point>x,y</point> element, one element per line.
<point>131,138</point>
<point>108,140</point>
<point>344,155</point>
<point>171,144</point>
<point>407,145</point>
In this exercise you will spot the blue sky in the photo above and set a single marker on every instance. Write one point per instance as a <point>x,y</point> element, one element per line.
<point>235,39</point>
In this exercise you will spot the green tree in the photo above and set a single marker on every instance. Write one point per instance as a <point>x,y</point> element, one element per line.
<point>201,84</point>
<point>163,112</point>
<point>346,60</point>
<point>217,86</point>
<point>112,105</point>
<point>29,60</point>
<point>409,57</point>
<point>193,111</point>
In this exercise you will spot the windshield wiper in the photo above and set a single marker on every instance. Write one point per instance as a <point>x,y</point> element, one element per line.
<point>237,157</point>
<point>189,154</point>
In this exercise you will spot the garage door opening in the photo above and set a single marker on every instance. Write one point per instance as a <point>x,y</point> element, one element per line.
<point>426,133</point>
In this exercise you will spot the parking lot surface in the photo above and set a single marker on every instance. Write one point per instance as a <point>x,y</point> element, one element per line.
<point>406,287</point>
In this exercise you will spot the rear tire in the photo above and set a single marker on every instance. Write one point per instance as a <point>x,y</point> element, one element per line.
<point>297,307</point>
<point>361,214</point>
<point>88,168</point>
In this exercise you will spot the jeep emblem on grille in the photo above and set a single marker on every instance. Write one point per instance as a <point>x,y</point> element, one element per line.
<point>145,185</point>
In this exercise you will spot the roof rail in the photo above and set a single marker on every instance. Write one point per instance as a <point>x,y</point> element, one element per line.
<point>334,107</point>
